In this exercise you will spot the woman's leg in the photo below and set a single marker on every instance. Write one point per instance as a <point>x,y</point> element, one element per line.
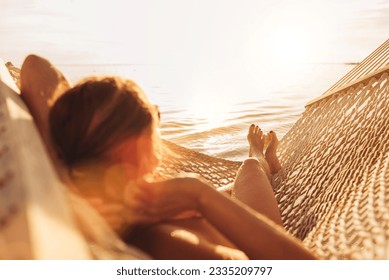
<point>252,185</point>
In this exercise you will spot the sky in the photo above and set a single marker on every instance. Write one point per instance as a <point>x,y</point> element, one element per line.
<point>241,33</point>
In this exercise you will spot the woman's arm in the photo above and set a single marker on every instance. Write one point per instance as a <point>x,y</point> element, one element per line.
<point>252,232</point>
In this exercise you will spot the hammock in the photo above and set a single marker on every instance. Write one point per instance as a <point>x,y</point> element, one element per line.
<point>331,191</point>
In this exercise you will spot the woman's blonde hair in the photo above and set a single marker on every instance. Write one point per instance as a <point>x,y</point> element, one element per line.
<point>97,114</point>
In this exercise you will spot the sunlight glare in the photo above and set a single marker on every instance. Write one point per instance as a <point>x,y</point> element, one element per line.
<point>210,107</point>
<point>288,45</point>
<point>280,46</point>
<point>186,236</point>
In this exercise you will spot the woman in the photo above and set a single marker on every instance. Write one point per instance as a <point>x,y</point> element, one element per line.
<point>106,132</point>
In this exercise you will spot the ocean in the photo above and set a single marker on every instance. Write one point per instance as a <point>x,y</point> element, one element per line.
<point>211,113</point>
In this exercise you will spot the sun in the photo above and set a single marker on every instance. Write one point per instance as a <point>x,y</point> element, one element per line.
<point>288,45</point>
<point>283,45</point>
<point>278,51</point>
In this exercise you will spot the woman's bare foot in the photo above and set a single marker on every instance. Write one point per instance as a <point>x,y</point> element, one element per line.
<point>271,153</point>
<point>256,141</point>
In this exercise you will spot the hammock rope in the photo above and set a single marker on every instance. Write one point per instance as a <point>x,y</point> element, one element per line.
<point>332,191</point>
